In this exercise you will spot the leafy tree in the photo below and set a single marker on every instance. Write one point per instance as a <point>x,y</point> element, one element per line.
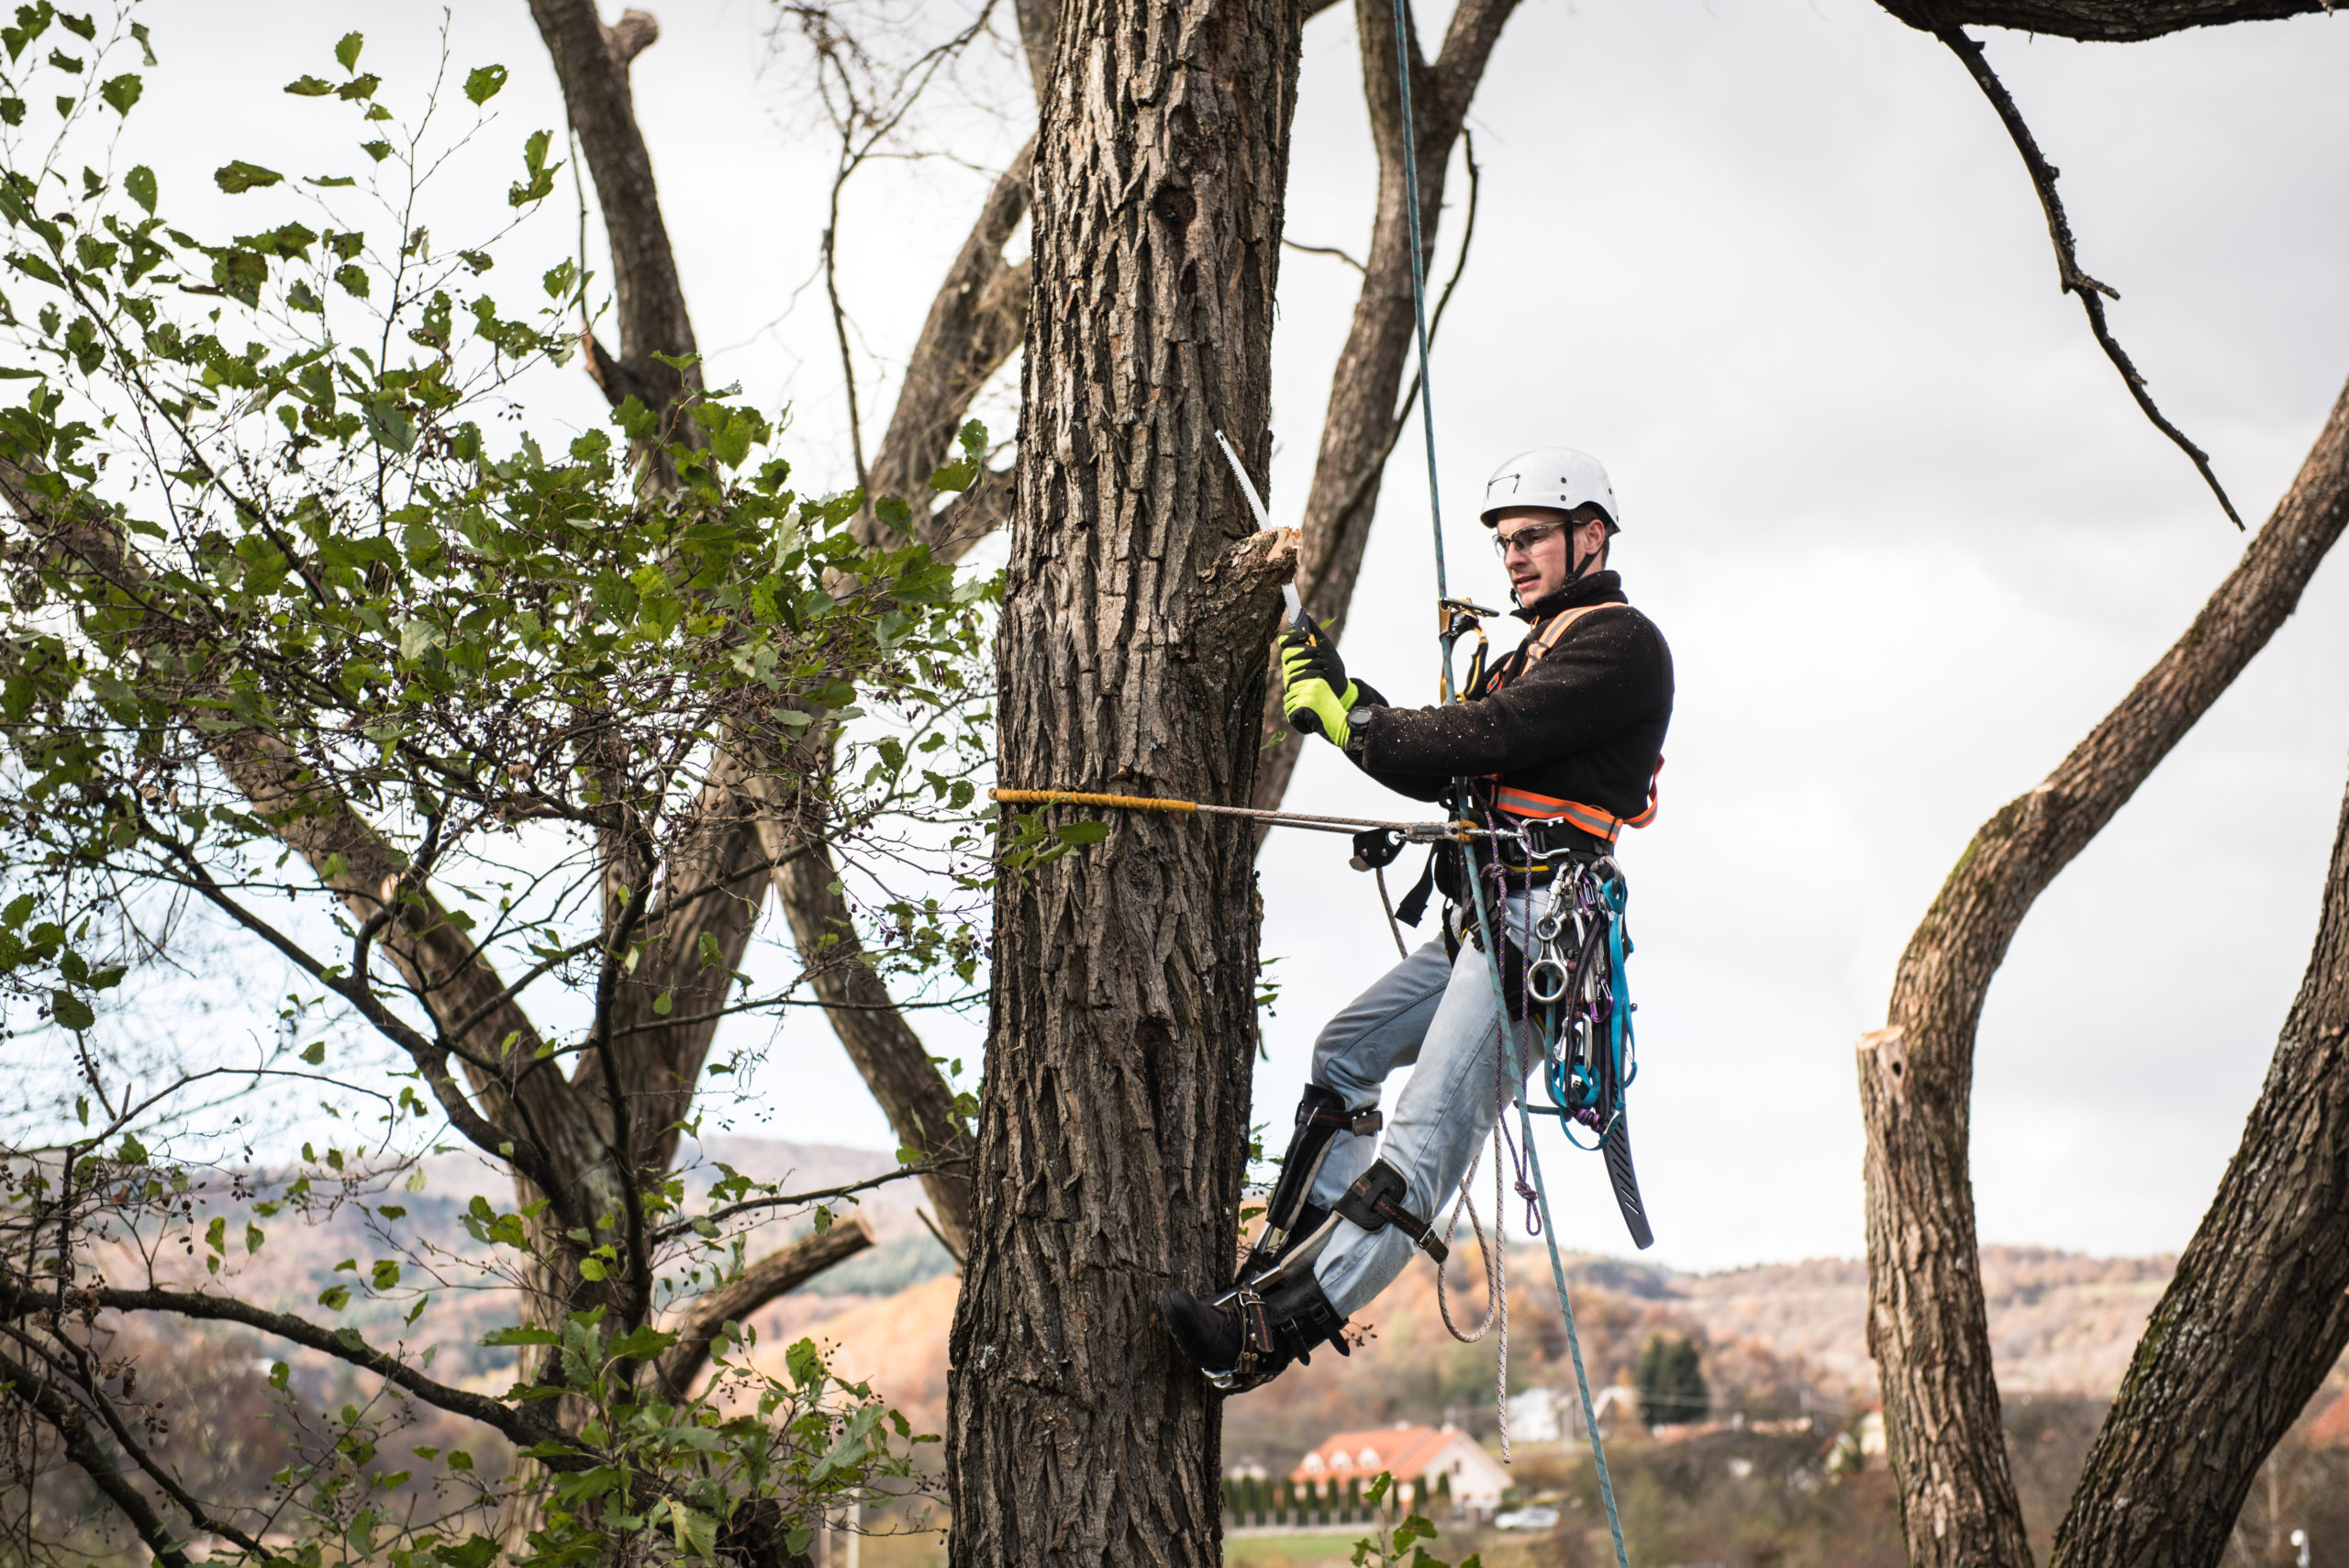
<point>312,652</point>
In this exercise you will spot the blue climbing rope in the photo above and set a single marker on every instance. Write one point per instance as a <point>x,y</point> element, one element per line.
<point>1485,924</point>
<point>1419,314</point>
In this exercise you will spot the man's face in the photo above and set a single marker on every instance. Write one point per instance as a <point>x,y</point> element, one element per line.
<point>1538,548</point>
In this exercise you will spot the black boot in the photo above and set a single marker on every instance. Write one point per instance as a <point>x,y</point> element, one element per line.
<point>1246,1342</point>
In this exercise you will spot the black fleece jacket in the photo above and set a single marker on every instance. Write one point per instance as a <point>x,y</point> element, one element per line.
<point>1585,722</point>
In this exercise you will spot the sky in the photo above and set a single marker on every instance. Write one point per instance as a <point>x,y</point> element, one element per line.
<point>1775,263</point>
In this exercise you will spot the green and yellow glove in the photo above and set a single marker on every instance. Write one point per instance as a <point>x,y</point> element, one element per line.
<point>1315,693</point>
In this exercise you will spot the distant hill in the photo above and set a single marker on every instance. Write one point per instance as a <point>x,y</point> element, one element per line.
<point>1777,1340</point>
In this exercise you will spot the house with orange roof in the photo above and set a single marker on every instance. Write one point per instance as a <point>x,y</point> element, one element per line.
<point>2332,1428</point>
<point>1422,1459</point>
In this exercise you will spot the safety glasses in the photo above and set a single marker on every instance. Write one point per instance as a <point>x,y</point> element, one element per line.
<point>1529,538</point>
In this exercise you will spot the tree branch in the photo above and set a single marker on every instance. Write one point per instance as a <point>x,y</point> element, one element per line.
<point>2092,293</point>
<point>2106,21</point>
<point>2257,1310</point>
<point>975,325</point>
<point>591,63</point>
<point>72,1426</point>
<point>522,1426</point>
<point>1926,1326</point>
<point>886,1051</point>
<point>786,1269</point>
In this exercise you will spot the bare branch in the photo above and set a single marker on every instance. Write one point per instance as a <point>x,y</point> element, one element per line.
<point>783,1269</point>
<point>2108,21</point>
<point>975,325</point>
<point>524,1426</point>
<point>2092,292</point>
<point>71,1425</point>
<point>885,1050</point>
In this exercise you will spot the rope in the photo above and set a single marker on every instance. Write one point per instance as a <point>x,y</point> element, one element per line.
<point>1393,928</point>
<point>1483,1251</point>
<point>1420,314</point>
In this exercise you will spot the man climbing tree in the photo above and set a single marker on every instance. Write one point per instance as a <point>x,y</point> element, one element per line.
<point>1563,740</point>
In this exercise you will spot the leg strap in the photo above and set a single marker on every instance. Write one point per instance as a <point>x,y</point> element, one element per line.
<point>1376,1200</point>
<point>1321,1115</point>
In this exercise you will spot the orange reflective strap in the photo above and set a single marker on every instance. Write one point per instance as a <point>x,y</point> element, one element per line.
<point>1598,821</point>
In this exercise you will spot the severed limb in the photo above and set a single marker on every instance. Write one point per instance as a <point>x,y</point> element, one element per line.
<point>2092,293</point>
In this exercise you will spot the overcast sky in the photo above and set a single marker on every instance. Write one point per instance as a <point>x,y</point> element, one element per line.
<point>1775,263</point>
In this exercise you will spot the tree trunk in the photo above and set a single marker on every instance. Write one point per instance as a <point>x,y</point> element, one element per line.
<point>1138,614</point>
<point>1927,1327</point>
<point>2258,1310</point>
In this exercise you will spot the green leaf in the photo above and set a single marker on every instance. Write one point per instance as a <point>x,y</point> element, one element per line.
<point>696,1533</point>
<point>1082,832</point>
<point>121,91</point>
<point>479,1551</point>
<point>253,1237</point>
<point>346,52</point>
<point>334,1298</point>
<point>496,1337</point>
<point>378,151</point>
<point>70,1011</point>
<point>385,1274</point>
<point>132,1152</point>
<point>664,1004</point>
<point>593,1269</point>
<point>140,186</point>
<point>309,87</point>
<point>315,1053</point>
<point>239,176</point>
<point>483,81</point>
<point>643,1344</point>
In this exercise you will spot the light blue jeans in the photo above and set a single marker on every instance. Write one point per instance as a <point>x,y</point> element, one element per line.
<point>1438,1017</point>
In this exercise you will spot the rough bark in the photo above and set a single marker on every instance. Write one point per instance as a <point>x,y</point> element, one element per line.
<point>1359,429</point>
<point>1927,1327</point>
<point>2103,21</point>
<point>2258,1310</point>
<point>782,1271</point>
<point>1132,652</point>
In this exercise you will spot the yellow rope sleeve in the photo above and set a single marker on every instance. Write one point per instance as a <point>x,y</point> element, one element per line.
<point>1067,797</point>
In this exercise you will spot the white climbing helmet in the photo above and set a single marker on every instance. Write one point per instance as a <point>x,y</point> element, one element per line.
<point>1560,477</point>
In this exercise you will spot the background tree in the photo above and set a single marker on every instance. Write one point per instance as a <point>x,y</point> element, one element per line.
<point>2224,1326</point>
<point>300,653</point>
